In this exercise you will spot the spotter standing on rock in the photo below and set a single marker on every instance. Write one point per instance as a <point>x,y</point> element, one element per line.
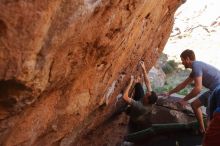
<point>202,74</point>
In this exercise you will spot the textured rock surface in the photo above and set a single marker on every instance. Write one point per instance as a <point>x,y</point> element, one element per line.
<point>168,111</point>
<point>63,63</point>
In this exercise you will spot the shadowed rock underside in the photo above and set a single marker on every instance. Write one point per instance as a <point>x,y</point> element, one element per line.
<point>64,63</point>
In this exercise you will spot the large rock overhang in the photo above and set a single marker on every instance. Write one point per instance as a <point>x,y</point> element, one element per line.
<point>64,63</point>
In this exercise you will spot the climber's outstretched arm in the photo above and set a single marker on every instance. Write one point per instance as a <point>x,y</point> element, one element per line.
<point>146,78</point>
<point>126,93</point>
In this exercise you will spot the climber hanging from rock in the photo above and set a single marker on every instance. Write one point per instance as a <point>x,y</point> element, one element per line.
<point>141,103</point>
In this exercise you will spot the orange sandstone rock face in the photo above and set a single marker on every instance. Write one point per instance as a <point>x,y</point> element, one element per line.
<point>64,63</point>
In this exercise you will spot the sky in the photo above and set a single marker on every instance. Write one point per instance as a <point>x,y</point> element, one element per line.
<point>204,39</point>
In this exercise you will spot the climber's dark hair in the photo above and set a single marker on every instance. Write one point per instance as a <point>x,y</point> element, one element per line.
<point>152,98</point>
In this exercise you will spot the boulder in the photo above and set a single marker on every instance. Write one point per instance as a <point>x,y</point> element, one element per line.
<point>167,110</point>
<point>63,63</point>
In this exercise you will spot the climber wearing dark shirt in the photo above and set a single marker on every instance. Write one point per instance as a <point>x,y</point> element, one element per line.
<point>140,104</point>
